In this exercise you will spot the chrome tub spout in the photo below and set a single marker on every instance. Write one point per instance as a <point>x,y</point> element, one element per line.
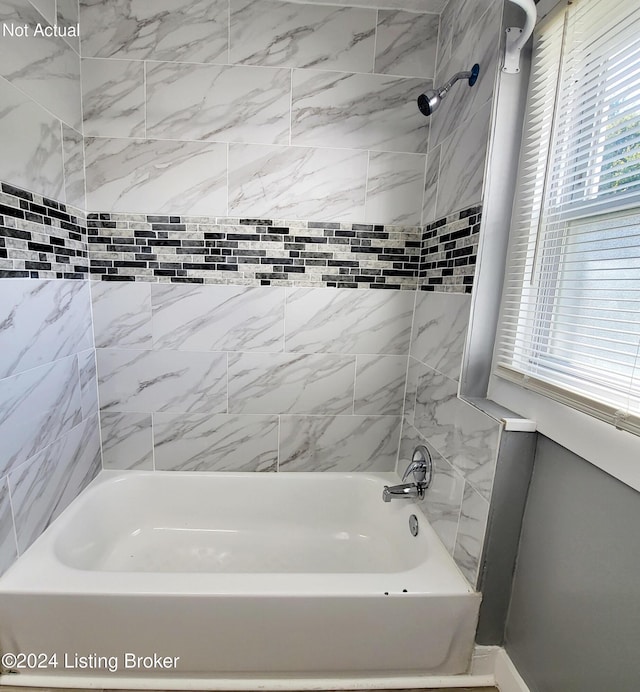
<point>421,467</point>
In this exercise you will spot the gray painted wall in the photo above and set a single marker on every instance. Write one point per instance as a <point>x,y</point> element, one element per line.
<point>574,621</point>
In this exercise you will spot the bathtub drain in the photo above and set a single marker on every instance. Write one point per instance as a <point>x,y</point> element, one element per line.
<point>413,525</point>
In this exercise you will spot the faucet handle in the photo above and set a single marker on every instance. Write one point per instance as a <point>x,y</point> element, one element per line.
<point>421,466</point>
<point>418,469</point>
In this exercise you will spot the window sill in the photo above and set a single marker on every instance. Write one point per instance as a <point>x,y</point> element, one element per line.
<point>510,420</point>
<point>615,451</point>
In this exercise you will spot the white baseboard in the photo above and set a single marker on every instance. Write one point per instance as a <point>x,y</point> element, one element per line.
<point>507,677</point>
<point>490,666</point>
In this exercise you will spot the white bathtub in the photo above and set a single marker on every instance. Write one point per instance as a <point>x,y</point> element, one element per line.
<point>236,575</point>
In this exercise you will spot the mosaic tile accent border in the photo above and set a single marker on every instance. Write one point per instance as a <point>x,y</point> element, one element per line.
<point>449,252</point>
<point>40,238</point>
<point>135,247</point>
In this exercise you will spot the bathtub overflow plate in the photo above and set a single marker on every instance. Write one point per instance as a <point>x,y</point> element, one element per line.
<point>413,525</point>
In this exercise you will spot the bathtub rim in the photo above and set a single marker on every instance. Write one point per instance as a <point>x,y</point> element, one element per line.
<point>24,576</point>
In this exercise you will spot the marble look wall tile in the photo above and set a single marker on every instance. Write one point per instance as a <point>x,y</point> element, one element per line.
<point>215,443</point>
<point>447,20</point>
<point>433,6</point>
<point>73,155</point>
<point>68,15</point>
<point>431,186</point>
<point>443,498</point>
<point>36,407</point>
<point>409,439</point>
<point>466,437</point>
<point>284,34</point>
<point>467,17</point>
<point>328,320</point>
<point>171,381</point>
<point>30,141</point>
<point>297,183</point>
<point>126,441</point>
<point>380,384</point>
<point>413,376</point>
<point>395,185</point>
<point>42,321</point>
<point>462,161</point>
<point>121,314</point>
<point>436,409</point>
<point>406,43</point>
<point>225,104</point>
<point>113,98</point>
<point>481,45</point>
<point>47,9</point>
<point>473,521</point>
<point>88,383</point>
<point>439,331</point>
<point>340,443</point>
<point>168,177</point>
<point>358,111</point>
<point>288,383</point>
<point>42,488</point>
<point>45,68</point>
<point>187,30</point>
<point>218,318</point>
<point>475,448</point>
<point>8,547</point>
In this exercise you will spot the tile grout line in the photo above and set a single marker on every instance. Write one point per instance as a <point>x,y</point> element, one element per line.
<point>13,516</point>
<point>375,40</point>
<point>145,95</point>
<point>320,70</point>
<point>291,109</point>
<point>303,147</point>
<point>95,361</point>
<point>153,442</point>
<point>355,378</point>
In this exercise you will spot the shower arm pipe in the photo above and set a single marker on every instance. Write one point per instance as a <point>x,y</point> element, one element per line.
<point>443,90</point>
<point>516,37</point>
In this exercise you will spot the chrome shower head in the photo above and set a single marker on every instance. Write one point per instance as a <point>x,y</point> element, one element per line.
<point>431,99</point>
<point>429,102</point>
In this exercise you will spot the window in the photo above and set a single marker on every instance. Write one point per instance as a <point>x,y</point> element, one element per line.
<point>570,316</point>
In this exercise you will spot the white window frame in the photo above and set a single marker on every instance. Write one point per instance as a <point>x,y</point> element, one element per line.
<point>615,451</point>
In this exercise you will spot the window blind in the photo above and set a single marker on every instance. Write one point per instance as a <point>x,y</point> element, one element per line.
<point>570,314</point>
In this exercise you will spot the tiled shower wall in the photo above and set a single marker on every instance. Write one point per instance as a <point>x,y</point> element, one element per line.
<point>464,441</point>
<point>214,378</point>
<point>469,33</point>
<point>41,114</point>
<point>49,424</point>
<point>48,406</point>
<point>257,108</point>
<point>196,136</point>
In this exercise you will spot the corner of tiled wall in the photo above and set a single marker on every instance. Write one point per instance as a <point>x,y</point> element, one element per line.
<point>48,406</point>
<point>48,384</point>
<point>463,440</point>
